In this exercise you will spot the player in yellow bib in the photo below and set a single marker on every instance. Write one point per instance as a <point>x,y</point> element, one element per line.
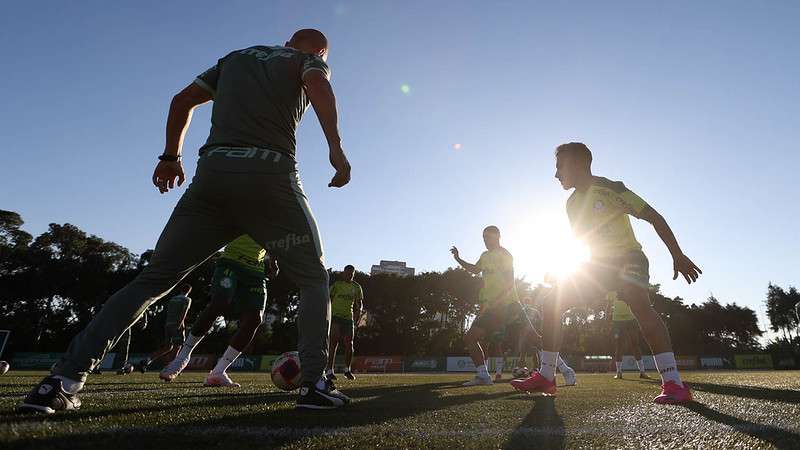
<point>497,297</point>
<point>598,211</point>
<point>347,299</point>
<point>626,334</point>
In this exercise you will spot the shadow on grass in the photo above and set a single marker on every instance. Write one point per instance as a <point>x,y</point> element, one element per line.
<point>778,437</point>
<point>541,428</point>
<point>372,406</point>
<point>753,392</point>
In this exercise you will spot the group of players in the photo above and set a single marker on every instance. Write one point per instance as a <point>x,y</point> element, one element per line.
<point>247,184</point>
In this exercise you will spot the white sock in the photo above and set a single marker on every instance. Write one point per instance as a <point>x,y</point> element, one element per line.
<point>482,372</point>
<point>347,369</point>
<point>498,369</point>
<point>227,359</point>
<point>665,363</point>
<point>640,365</point>
<point>562,366</point>
<point>69,384</point>
<point>549,362</point>
<point>619,366</point>
<point>188,346</point>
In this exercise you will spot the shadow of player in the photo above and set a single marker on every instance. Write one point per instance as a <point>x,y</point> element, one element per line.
<point>753,392</point>
<point>778,437</point>
<point>541,428</point>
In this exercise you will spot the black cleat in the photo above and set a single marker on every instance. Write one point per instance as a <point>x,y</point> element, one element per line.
<point>96,371</point>
<point>349,375</point>
<point>330,377</point>
<point>313,398</point>
<point>142,366</point>
<point>48,397</point>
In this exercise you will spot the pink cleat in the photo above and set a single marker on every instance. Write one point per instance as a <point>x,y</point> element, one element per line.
<point>535,383</point>
<point>220,380</point>
<point>673,394</point>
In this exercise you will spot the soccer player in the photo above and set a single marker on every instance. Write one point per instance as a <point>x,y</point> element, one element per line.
<point>598,211</point>
<point>174,327</point>
<point>347,299</point>
<point>124,345</point>
<point>498,298</point>
<point>246,183</point>
<point>238,284</point>
<point>626,334</point>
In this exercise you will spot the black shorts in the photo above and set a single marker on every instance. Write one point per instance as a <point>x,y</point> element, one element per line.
<point>494,319</point>
<point>346,327</point>
<point>624,327</point>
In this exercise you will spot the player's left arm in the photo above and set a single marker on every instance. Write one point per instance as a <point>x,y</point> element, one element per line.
<point>180,115</point>
<point>680,262</point>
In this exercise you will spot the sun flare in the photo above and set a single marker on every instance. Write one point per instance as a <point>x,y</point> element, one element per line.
<point>543,246</point>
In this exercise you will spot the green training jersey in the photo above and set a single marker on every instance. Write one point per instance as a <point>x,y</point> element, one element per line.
<point>343,295</point>
<point>177,307</point>
<point>497,271</point>
<point>246,254</point>
<point>258,97</point>
<point>621,312</point>
<point>599,217</point>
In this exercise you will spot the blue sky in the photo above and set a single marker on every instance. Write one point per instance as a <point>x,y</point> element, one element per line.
<point>694,105</point>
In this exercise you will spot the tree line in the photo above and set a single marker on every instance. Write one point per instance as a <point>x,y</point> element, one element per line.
<point>52,284</point>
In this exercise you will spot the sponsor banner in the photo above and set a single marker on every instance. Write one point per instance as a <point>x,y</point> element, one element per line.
<point>753,361</point>
<point>686,362</point>
<point>715,362</point>
<point>108,362</point>
<point>246,363</point>
<point>460,364</point>
<point>629,363</point>
<point>34,361</point>
<point>595,363</point>
<point>378,364</point>
<point>266,362</point>
<point>425,364</point>
<point>201,362</point>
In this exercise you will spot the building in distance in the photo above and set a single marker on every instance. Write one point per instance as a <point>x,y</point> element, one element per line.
<point>392,268</point>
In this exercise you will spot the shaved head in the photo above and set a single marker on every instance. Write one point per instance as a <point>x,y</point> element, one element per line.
<point>309,41</point>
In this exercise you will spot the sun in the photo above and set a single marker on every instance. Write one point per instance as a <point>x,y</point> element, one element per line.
<point>544,245</point>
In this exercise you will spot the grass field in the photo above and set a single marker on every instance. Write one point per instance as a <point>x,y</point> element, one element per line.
<point>732,410</point>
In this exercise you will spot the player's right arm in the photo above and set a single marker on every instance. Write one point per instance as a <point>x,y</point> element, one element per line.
<point>471,268</point>
<point>320,93</point>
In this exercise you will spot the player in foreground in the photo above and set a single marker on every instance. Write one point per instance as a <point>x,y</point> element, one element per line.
<point>347,299</point>
<point>626,336</point>
<point>237,285</point>
<point>174,328</point>
<point>598,212</point>
<point>527,325</point>
<point>498,299</point>
<point>246,183</point>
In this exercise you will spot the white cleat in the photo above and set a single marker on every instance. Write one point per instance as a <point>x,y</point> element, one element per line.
<point>173,369</point>
<point>220,380</point>
<point>479,381</point>
<point>569,378</point>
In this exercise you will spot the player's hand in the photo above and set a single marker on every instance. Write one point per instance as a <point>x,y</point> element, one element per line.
<point>454,251</point>
<point>166,173</point>
<point>342,165</point>
<point>683,265</point>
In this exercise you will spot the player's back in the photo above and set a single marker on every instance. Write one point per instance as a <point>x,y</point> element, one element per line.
<point>259,97</point>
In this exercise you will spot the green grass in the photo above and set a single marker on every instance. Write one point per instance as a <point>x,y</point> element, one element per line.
<point>732,409</point>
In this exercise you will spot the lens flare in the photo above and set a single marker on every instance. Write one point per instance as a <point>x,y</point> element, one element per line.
<point>456,146</point>
<point>405,89</point>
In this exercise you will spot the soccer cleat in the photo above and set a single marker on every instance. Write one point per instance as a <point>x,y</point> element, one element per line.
<point>349,375</point>
<point>313,398</point>
<point>142,366</point>
<point>672,394</point>
<point>569,377</point>
<point>173,369</point>
<point>330,377</point>
<point>479,381</point>
<point>644,376</point>
<point>336,392</point>
<point>48,397</point>
<point>535,383</point>
<point>96,371</point>
<point>220,380</point>
<point>618,376</point>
